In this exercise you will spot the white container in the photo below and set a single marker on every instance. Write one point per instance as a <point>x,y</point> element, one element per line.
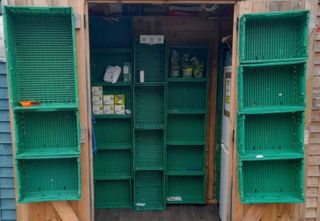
<point>224,188</point>
<point>108,99</point>
<point>142,76</point>
<point>97,90</point>
<point>119,109</point>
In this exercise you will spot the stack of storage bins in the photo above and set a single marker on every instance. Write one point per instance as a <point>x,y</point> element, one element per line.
<point>42,69</point>
<point>149,126</point>
<point>112,163</point>
<point>186,133</point>
<point>271,104</point>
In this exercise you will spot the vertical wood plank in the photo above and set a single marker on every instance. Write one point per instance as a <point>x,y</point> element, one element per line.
<point>211,127</point>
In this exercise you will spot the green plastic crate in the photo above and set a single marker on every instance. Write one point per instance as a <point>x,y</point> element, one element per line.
<point>149,107</point>
<point>112,194</point>
<point>102,58</point>
<point>113,133</point>
<point>186,129</point>
<point>271,181</point>
<point>185,190</point>
<point>278,87</point>
<point>200,52</point>
<point>48,180</point>
<point>149,190</point>
<point>47,134</point>
<point>278,135</point>
<point>151,59</point>
<point>149,150</point>
<point>185,160</point>
<point>41,54</point>
<point>275,36</point>
<point>112,164</point>
<point>113,32</point>
<point>187,96</point>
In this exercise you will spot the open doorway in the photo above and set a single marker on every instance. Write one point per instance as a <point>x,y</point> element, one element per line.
<point>158,82</point>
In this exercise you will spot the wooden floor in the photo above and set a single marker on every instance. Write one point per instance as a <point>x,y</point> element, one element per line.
<point>172,213</point>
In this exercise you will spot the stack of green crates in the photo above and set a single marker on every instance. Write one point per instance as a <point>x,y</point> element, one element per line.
<point>271,103</point>
<point>149,126</point>
<point>186,131</point>
<point>42,68</point>
<point>112,163</point>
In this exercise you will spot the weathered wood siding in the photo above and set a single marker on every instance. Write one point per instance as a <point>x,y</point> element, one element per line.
<point>7,196</point>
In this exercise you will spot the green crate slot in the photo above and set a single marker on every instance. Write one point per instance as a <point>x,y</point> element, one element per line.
<point>270,134</point>
<point>149,107</point>
<point>101,59</point>
<point>112,164</point>
<point>200,53</point>
<point>274,36</point>
<point>185,159</point>
<point>275,181</point>
<point>41,54</point>
<point>268,87</point>
<point>111,90</point>
<point>186,128</point>
<point>47,134</point>
<point>48,180</point>
<point>151,59</point>
<point>185,190</point>
<point>149,190</point>
<point>149,149</point>
<point>113,133</point>
<point>112,194</point>
<point>110,32</point>
<point>187,97</point>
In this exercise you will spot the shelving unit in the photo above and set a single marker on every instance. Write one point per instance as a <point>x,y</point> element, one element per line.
<point>44,71</point>
<point>113,161</point>
<point>271,102</point>
<point>186,128</point>
<point>149,127</point>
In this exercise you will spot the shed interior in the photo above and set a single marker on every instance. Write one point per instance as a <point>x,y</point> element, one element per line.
<point>157,124</point>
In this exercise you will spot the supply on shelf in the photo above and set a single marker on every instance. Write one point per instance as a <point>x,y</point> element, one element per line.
<point>112,74</point>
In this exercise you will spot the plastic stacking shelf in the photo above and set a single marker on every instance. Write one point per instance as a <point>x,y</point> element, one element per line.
<point>112,194</point>
<point>149,107</point>
<point>271,181</point>
<point>149,190</point>
<point>47,134</point>
<point>41,54</point>
<point>113,133</point>
<point>268,88</point>
<point>48,180</point>
<point>271,135</point>
<point>265,37</point>
<point>186,128</point>
<point>112,164</point>
<point>149,150</point>
<point>185,190</point>
<point>151,59</point>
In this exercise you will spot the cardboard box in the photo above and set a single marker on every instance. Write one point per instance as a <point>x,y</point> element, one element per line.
<point>108,99</point>
<point>97,109</point>
<point>119,109</point>
<point>119,99</point>
<point>97,90</point>
<point>108,109</point>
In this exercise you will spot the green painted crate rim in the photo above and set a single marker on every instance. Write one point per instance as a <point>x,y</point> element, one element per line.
<point>272,155</point>
<point>48,107</point>
<point>48,155</point>
<point>286,14</point>
<point>100,178</point>
<point>34,10</point>
<point>272,109</point>
<point>280,63</point>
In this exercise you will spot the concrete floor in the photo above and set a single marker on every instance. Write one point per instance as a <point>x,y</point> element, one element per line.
<point>172,213</point>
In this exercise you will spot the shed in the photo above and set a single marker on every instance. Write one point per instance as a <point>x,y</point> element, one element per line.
<point>80,56</point>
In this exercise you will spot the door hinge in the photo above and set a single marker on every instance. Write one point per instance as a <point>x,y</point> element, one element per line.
<point>77,21</point>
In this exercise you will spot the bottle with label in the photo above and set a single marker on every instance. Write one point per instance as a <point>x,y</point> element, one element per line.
<point>126,72</point>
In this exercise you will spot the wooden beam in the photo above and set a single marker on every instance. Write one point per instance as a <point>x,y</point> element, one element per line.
<point>254,213</point>
<point>165,1</point>
<point>65,211</point>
